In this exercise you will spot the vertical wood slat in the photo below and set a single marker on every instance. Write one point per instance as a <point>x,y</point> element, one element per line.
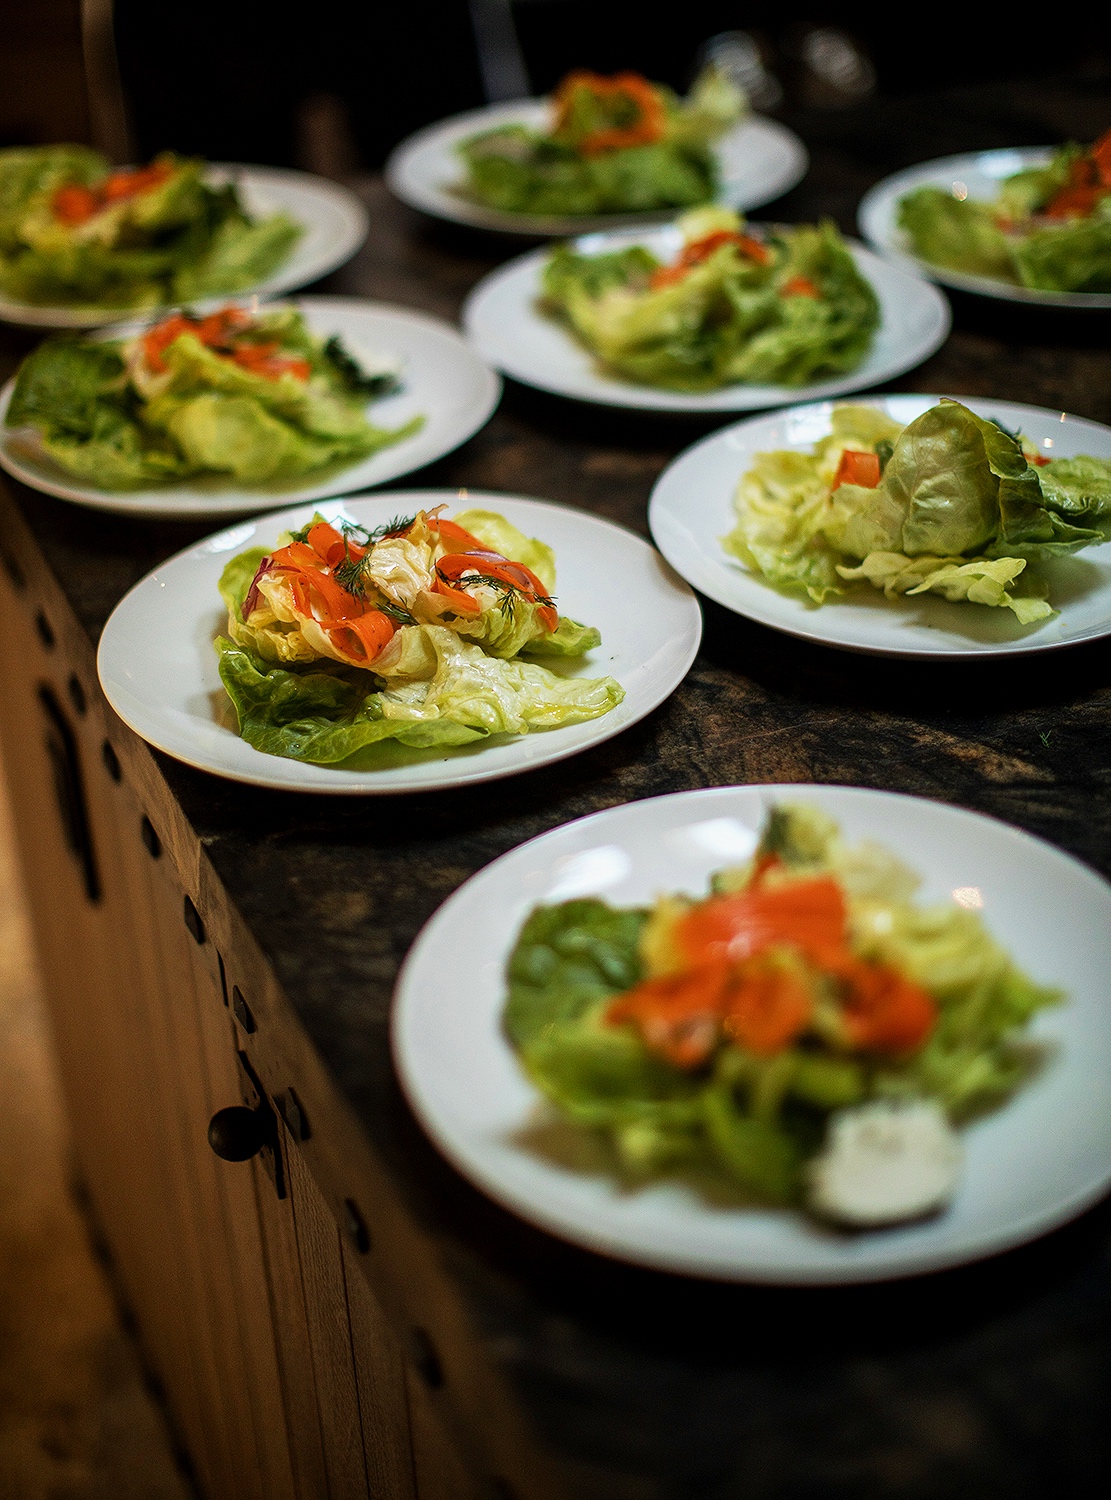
<point>383,1404</point>
<point>300,1397</point>
<point>438,1469</point>
<point>211,1442</point>
<point>318,1245</point>
<point>238,1212</point>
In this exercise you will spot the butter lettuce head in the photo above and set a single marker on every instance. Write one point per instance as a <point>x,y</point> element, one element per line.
<point>958,512</point>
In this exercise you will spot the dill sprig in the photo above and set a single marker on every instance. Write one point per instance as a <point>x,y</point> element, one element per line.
<point>510,592</point>
<point>351,573</point>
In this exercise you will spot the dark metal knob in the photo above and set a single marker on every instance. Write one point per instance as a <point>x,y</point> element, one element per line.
<point>237,1133</point>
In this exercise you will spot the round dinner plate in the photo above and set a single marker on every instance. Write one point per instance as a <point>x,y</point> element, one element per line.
<point>758,160</point>
<point>158,667</point>
<point>504,323</point>
<point>691,509</point>
<point>334,225</point>
<point>442,379</point>
<point>1033,1164</point>
<point>977,176</point>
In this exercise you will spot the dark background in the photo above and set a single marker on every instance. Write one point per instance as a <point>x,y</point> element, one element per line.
<point>233,79</point>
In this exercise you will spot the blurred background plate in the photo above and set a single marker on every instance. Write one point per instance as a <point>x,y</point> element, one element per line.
<point>333,221</point>
<point>505,325</point>
<point>980,174</point>
<point>758,160</point>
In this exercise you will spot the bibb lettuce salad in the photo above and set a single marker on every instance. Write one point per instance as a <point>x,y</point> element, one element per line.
<point>786,308</point>
<point>74,231</point>
<point>251,396</point>
<point>421,631</point>
<point>951,504</point>
<point>1049,227</point>
<point>616,145</point>
<point>805,1029</point>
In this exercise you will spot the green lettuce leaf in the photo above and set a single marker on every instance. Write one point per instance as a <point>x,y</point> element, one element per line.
<point>1071,257</point>
<point>959,233</point>
<point>327,713</point>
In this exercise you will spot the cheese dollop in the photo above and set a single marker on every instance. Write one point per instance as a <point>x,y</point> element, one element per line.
<point>884,1162</point>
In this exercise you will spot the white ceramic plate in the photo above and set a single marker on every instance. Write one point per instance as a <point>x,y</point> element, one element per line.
<point>334,223</point>
<point>1034,1164</point>
<point>158,668</point>
<point>758,160</point>
<point>505,325</point>
<point>691,509</point>
<point>442,379</point>
<point>977,176</point>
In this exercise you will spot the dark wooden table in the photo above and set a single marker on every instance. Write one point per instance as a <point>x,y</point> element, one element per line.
<point>986,1382</point>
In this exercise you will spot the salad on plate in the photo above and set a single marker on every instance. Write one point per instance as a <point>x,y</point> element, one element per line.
<point>429,631</point>
<point>805,1030</point>
<point>951,504</point>
<point>253,397</point>
<point>785,306</point>
<point>75,231</point>
<point>615,145</point>
<point>1048,228</point>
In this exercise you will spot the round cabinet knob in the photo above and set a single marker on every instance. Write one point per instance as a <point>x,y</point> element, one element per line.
<point>236,1133</point>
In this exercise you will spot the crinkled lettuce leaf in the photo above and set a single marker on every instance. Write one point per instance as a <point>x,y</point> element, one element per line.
<point>982,581</point>
<point>326,713</point>
<point>958,512</point>
<point>729,319</point>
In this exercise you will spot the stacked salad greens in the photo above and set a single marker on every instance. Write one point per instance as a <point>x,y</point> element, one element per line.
<point>1049,228</point>
<point>76,232</point>
<point>421,631</point>
<point>741,1032</point>
<point>951,504</point>
<point>782,310</point>
<point>252,396</point>
<point>616,145</point>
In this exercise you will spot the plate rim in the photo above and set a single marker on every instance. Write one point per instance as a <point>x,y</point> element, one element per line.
<point>1026,646</point>
<point>355,787</point>
<point>985,1244</point>
<point>631,397</point>
<point>144,503</point>
<point>440,204</point>
<point>90,316</point>
<point>885,193</point>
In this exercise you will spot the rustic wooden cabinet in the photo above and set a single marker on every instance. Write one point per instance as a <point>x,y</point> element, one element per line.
<point>250,1282</point>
